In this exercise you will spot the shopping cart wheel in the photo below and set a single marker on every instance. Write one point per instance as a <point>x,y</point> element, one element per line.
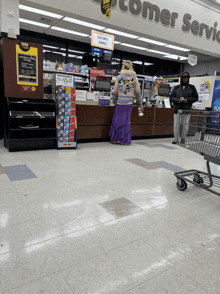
<point>182,186</point>
<point>197,179</point>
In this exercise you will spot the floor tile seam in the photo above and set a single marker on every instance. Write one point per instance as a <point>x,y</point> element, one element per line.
<point>158,252</point>
<point>123,245</point>
<point>203,214</point>
<point>23,285</point>
<point>72,232</point>
<point>81,262</point>
<point>66,280</point>
<point>20,248</point>
<point>137,286</point>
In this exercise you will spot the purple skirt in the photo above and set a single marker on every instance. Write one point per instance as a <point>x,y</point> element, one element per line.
<point>120,129</point>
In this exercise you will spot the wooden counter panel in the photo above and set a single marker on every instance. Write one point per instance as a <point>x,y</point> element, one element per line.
<point>94,114</point>
<point>163,130</point>
<point>147,118</point>
<point>141,130</point>
<point>164,115</point>
<point>89,132</point>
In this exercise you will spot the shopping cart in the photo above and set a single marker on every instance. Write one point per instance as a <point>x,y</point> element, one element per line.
<point>203,137</point>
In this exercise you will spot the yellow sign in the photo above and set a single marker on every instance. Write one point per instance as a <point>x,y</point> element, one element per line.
<point>106,7</point>
<point>27,66</point>
<point>207,84</point>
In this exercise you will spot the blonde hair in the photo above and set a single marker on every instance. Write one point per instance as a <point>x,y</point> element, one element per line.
<point>128,64</point>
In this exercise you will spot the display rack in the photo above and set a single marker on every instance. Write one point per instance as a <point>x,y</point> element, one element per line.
<point>30,124</point>
<point>65,97</point>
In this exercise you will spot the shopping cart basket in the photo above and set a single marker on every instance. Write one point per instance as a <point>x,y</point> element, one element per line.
<point>203,137</point>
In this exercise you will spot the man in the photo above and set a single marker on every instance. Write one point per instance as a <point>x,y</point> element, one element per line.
<point>182,97</point>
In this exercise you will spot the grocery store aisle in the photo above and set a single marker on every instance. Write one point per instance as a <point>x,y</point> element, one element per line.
<point>106,219</point>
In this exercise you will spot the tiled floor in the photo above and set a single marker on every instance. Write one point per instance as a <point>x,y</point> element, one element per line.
<point>107,219</point>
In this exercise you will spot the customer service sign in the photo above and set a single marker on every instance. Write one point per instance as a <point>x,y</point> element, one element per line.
<point>101,40</point>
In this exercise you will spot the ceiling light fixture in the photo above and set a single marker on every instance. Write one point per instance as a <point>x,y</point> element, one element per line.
<point>39,11</point>
<point>176,57</point>
<point>116,42</point>
<point>84,23</point>
<point>80,52</point>
<point>177,48</point>
<point>69,31</point>
<point>34,23</point>
<point>152,41</point>
<point>155,51</point>
<point>172,56</point>
<point>121,33</point>
<point>147,63</point>
<point>132,46</point>
<point>137,62</point>
<point>51,47</point>
<point>59,53</point>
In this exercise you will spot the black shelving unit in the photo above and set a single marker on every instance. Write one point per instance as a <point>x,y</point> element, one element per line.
<point>29,124</point>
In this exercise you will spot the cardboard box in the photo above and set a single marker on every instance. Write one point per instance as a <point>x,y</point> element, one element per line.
<point>73,120</point>
<point>72,127</point>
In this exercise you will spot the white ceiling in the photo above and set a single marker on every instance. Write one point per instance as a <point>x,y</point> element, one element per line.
<point>37,17</point>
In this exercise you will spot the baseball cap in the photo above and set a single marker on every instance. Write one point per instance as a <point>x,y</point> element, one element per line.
<point>185,74</point>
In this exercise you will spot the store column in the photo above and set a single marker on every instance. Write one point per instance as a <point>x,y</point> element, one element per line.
<point>9,17</point>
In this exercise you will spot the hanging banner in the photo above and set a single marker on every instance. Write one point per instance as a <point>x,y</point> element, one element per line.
<point>106,7</point>
<point>27,66</point>
<point>192,60</point>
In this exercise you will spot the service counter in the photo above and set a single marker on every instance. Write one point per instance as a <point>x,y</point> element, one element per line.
<point>94,122</point>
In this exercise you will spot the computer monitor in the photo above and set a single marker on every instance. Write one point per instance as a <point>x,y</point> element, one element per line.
<point>106,57</point>
<point>102,85</point>
<point>164,90</point>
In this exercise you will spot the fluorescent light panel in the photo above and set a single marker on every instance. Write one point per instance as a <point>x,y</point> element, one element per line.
<point>68,31</point>
<point>116,42</point>
<point>80,52</point>
<point>51,47</point>
<point>152,41</point>
<point>137,62</point>
<point>121,33</point>
<point>34,23</point>
<point>132,46</point>
<point>177,48</point>
<point>176,57</point>
<point>39,11</point>
<point>79,57</point>
<point>58,53</point>
<point>84,23</point>
<point>155,51</point>
<point>140,62</point>
<point>70,55</point>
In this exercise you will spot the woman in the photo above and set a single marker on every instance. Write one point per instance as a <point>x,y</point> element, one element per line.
<point>126,87</point>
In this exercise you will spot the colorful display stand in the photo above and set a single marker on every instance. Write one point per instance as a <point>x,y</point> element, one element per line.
<point>65,98</point>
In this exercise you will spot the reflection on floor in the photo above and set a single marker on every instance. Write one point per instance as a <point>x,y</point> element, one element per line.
<point>107,219</point>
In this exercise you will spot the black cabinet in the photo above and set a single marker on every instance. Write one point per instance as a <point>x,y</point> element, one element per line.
<point>29,124</point>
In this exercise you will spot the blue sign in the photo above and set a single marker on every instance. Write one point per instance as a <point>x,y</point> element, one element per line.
<point>216,97</point>
<point>96,51</point>
<point>107,52</point>
<point>216,104</point>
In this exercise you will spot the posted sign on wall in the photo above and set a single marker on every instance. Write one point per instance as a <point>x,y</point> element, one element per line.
<point>102,40</point>
<point>27,66</point>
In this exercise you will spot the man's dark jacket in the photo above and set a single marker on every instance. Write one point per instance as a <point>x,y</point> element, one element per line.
<point>189,93</point>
